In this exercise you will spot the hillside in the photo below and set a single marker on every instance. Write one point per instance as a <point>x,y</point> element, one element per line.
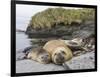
<point>60,21</point>
<point>55,16</point>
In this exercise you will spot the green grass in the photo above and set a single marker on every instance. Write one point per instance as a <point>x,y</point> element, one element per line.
<point>55,16</point>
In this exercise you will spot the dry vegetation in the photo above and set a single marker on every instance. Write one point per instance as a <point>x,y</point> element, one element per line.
<point>55,16</point>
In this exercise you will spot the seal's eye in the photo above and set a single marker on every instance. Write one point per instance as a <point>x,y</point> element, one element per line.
<point>63,52</point>
<point>55,54</point>
<point>47,55</point>
<point>42,57</point>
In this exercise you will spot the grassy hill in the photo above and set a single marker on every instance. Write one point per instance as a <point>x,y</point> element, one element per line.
<point>55,16</point>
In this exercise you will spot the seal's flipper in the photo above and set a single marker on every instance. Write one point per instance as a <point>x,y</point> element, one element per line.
<point>21,58</point>
<point>27,49</point>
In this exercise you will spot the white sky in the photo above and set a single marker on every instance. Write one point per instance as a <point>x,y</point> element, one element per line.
<point>26,10</point>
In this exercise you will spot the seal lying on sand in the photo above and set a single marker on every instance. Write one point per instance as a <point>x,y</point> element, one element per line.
<point>58,51</point>
<point>37,54</point>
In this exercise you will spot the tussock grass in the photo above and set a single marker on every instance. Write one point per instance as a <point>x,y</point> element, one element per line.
<point>55,16</point>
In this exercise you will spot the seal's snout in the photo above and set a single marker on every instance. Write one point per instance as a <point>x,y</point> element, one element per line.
<point>60,56</point>
<point>45,58</point>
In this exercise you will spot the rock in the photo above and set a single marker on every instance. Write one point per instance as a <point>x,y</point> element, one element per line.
<point>20,56</point>
<point>64,31</point>
<point>85,61</point>
<point>20,31</point>
<point>38,42</point>
<point>25,66</point>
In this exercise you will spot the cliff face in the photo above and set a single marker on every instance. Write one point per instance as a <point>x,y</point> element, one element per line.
<point>59,22</point>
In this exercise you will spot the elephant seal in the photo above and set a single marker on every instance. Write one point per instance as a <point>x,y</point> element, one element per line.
<point>39,55</point>
<point>58,51</point>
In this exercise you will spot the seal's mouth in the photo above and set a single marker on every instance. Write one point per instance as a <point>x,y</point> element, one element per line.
<point>46,61</point>
<point>59,61</point>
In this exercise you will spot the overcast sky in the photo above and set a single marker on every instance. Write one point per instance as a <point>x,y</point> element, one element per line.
<point>24,14</point>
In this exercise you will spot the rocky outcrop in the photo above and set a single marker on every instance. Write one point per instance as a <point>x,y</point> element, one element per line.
<point>26,66</point>
<point>65,32</point>
<point>85,61</point>
<point>60,22</point>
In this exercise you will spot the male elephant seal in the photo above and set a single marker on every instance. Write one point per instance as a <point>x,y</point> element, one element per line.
<point>58,50</point>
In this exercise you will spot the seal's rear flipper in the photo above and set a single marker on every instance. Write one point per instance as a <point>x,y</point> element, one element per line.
<point>21,57</point>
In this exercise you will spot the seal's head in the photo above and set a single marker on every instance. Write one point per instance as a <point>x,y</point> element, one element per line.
<point>61,54</point>
<point>39,55</point>
<point>44,57</point>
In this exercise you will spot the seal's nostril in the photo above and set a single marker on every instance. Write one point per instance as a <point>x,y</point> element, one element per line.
<point>63,52</point>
